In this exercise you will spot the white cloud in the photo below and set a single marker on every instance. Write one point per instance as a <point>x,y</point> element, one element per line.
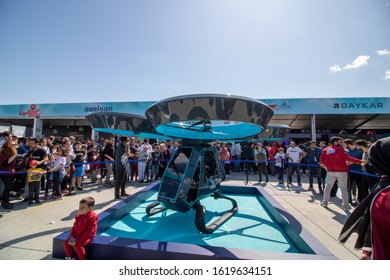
<point>383,52</point>
<point>360,61</point>
<point>335,68</point>
<point>387,75</point>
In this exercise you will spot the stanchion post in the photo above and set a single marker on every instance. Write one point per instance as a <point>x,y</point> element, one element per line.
<point>247,173</point>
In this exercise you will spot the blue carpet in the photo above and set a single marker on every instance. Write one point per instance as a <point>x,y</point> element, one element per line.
<point>251,228</point>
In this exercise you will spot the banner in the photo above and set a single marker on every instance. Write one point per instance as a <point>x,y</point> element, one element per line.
<point>379,105</point>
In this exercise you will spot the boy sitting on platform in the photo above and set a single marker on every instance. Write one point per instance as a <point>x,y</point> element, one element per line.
<point>83,231</point>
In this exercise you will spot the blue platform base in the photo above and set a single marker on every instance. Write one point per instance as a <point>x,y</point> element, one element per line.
<point>118,248</point>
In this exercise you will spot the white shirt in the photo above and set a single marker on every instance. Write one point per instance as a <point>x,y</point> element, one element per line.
<point>150,148</point>
<point>278,159</point>
<point>237,149</point>
<point>59,161</point>
<point>293,154</point>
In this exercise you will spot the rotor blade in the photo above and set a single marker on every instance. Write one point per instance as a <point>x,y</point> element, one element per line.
<point>197,123</point>
<point>184,127</point>
<point>219,133</point>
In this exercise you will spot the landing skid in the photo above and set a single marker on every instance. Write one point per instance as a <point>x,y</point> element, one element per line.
<point>200,215</point>
<point>150,211</point>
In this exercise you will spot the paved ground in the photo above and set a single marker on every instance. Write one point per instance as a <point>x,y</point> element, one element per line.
<point>27,232</point>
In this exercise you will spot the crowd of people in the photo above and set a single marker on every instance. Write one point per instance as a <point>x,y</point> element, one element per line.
<point>58,166</point>
<point>341,164</point>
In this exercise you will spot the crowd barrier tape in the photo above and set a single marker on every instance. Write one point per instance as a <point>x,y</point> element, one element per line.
<point>299,164</point>
<point>222,161</point>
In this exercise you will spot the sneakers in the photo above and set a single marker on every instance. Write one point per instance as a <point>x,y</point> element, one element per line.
<point>38,201</point>
<point>345,207</point>
<point>30,202</point>
<point>324,204</point>
<point>124,194</point>
<point>79,188</point>
<point>8,206</point>
<point>117,197</point>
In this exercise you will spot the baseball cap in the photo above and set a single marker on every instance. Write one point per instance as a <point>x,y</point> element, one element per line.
<point>33,162</point>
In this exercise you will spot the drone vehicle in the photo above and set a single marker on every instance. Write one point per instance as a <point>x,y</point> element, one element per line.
<point>194,171</point>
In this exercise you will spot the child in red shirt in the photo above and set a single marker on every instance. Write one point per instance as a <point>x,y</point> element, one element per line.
<point>83,230</point>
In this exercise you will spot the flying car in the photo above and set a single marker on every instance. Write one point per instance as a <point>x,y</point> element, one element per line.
<point>194,171</point>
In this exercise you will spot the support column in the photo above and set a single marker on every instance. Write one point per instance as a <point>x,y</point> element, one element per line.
<point>95,135</point>
<point>313,129</point>
<point>37,129</point>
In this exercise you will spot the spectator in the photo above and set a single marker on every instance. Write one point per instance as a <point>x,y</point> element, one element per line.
<point>121,156</point>
<point>225,160</point>
<point>370,220</point>
<point>272,152</point>
<point>355,193</point>
<point>142,163</point>
<point>148,162</point>
<point>23,149</point>
<point>134,167</point>
<point>108,155</point>
<point>80,156</point>
<point>58,172</point>
<point>155,162</point>
<point>165,156</point>
<point>7,164</point>
<point>312,155</point>
<point>40,155</point>
<point>294,155</point>
<point>261,162</point>
<point>34,175</point>
<point>237,156</point>
<point>280,158</point>
<point>368,182</point>
<point>333,159</point>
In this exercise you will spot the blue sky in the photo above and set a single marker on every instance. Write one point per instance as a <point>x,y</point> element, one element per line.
<point>54,51</point>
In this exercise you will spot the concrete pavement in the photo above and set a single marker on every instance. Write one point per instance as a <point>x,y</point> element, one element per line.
<point>27,232</point>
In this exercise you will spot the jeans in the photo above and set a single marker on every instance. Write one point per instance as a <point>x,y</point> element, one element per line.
<point>355,184</point>
<point>120,181</point>
<point>33,190</point>
<point>262,166</point>
<point>109,171</point>
<point>314,171</point>
<point>279,170</point>
<point>141,169</point>
<point>58,176</point>
<point>8,182</point>
<point>291,168</point>
<point>154,173</point>
<point>237,159</point>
